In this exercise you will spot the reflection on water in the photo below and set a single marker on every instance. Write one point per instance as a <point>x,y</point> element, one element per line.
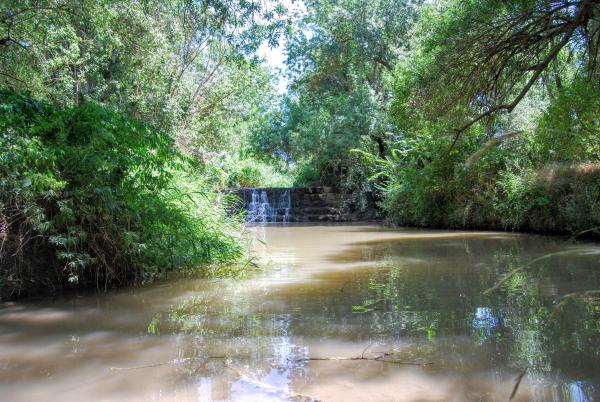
<point>411,302</point>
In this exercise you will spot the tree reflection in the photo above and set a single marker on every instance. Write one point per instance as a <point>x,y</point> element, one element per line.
<point>424,300</point>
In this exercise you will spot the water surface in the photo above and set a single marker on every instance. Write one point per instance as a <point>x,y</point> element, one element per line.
<point>410,302</point>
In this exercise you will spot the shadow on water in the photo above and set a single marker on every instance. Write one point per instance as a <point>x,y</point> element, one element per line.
<point>412,296</point>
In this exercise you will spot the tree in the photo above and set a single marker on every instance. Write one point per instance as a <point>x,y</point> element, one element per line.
<point>488,55</point>
<point>170,63</point>
<point>340,62</point>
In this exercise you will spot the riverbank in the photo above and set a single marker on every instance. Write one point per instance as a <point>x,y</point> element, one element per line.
<point>558,199</point>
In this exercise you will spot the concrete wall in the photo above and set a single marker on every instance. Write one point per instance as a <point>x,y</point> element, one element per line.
<point>307,204</point>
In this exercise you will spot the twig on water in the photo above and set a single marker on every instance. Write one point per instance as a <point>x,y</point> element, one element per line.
<point>517,383</point>
<point>570,296</point>
<point>174,361</point>
<point>375,359</point>
<point>522,267</point>
<point>365,349</point>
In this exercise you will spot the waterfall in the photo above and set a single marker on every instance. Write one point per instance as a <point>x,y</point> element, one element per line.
<point>284,205</point>
<point>260,210</point>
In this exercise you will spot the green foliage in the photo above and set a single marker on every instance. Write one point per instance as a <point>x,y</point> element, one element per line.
<point>185,67</point>
<point>104,194</point>
<point>453,165</point>
<point>91,190</point>
<point>340,59</point>
<point>248,176</point>
<point>559,197</point>
<point>479,56</point>
<point>307,175</point>
<point>512,186</point>
<point>570,127</point>
<point>224,171</point>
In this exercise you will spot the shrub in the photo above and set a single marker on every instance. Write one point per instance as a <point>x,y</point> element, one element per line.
<point>254,173</point>
<point>89,196</point>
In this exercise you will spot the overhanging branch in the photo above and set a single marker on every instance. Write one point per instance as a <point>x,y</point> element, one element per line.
<point>566,32</point>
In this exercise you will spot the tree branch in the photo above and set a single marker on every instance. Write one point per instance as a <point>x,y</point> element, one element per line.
<point>12,78</point>
<point>567,32</point>
<point>489,144</point>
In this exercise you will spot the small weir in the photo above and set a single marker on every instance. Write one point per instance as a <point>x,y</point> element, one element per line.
<point>260,209</point>
<point>284,205</point>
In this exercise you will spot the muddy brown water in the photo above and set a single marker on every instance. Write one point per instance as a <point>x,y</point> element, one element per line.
<point>410,301</point>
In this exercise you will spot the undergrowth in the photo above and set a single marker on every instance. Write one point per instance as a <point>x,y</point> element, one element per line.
<point>90,197</point>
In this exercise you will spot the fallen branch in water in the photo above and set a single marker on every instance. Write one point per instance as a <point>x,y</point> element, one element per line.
<point>594,229</point>
<point>522,267</point>
<point>517,383</point>
<point>365,349</point>
<point>375,359</point>
<point>174,361</point>
<point>586,295</point>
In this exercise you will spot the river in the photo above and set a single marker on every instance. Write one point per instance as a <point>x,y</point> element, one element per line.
<point>408,305</point>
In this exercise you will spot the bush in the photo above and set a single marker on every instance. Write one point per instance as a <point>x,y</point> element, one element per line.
<point>89,196</point>
<point>497,193</point>
<point>307,175</point>
<point>253,173</point>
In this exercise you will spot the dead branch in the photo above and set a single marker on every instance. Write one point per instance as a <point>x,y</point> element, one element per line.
<point>174,361</point>
<point>489,144</point>
<point>12,78</point>
<point>517,383</point>
<point>576,235</point>
<point>522,267</point>
<point>365,349</point>
<point>375,359</point>
<point>571,296</point>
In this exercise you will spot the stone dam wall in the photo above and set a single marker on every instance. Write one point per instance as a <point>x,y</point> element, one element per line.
<point>283,205</point>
